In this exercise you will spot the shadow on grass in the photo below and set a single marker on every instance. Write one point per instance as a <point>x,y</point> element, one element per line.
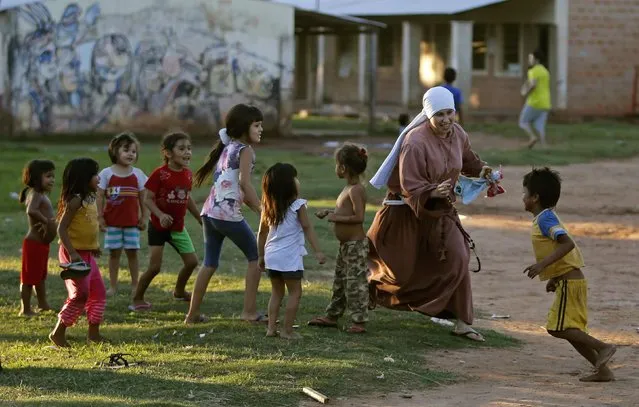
<point>225,361</point>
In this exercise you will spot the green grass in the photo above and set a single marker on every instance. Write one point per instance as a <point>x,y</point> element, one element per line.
<point>569,143</point>
<point>232,363</point>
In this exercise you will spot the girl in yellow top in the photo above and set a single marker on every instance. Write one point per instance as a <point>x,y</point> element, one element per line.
<point>536,90</point>
<point>559,262</point>
<point>78,229</point>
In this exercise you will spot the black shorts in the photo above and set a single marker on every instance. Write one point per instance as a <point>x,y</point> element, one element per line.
<point>181,241</point>
<point>285,275</point>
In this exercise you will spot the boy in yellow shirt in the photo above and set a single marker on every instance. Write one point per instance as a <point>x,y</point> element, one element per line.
<point>536,90</point>
<point>559,261</point>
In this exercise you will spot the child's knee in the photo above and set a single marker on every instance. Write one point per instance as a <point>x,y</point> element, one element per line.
<point>191,263</point>
<point>154,269</point>
<point>79,298</point>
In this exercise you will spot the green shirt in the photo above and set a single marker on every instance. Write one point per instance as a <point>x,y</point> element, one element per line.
<point>539,97</point>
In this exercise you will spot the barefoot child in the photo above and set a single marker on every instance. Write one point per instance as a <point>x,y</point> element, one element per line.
<point>168,197</point>
<point>350,285</point>
<point>230,164</point>
<point>78,230</point>
<point>559,261</point>
<point>283,226</point>
<point>121,210</point>
<point>38,177</point>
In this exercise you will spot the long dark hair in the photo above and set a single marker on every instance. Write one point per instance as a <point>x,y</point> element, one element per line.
<point>75,181</point>
<point>32,176</point>
<point>238,122</point>
<point>278,192</point>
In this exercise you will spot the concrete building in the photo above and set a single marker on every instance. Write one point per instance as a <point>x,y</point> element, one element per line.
<point>592,49</point>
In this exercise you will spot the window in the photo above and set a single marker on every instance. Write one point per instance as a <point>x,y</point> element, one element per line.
<point>386,47</point>
<point>442,42</point>
<point>480,46</point>
<point>510,55</point>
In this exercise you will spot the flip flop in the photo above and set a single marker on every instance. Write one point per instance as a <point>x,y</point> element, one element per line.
<point>261,319</point>
<point>470,334</point>
<point>139,307</point>
<point>355,329</point>
<point>186,297</point>
<point>74,270</point>
<point>323,322</point>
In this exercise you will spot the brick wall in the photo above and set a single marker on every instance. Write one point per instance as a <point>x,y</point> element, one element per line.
<point>603,53</point>
<point>495,93</point>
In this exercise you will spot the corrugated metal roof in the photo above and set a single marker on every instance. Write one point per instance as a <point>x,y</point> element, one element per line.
<point>391,7</point>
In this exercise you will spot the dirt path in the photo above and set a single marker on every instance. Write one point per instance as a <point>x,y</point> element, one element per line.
<point>545,371</point>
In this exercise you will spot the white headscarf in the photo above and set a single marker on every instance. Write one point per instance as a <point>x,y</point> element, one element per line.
<point>435,100</point>
<point>224,137</point>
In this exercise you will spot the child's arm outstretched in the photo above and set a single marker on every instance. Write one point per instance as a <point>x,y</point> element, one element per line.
<point>309,232</point>
<point>262,234</point>
<point>357,194</point>
<point>192,207</point>
<point>250,196</point>
<point>69,212</point>
<point>149,200</point>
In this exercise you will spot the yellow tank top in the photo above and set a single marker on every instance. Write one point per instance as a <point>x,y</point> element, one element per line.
<point>84,228</point>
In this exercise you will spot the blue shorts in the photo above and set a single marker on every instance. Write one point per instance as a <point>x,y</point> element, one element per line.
<point>536,117</point>
<point>121,238</point>
<point>216,230</point>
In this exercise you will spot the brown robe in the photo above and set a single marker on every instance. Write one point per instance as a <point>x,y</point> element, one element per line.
<point>405,259</point>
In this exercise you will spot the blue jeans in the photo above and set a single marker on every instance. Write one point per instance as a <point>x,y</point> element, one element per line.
<point>535,117</point>
<point>240,233</point>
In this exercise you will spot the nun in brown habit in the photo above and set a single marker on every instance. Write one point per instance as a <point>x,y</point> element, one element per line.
<point>419,251</point>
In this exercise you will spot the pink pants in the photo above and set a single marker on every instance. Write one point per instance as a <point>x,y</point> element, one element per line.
<point>85,294</point>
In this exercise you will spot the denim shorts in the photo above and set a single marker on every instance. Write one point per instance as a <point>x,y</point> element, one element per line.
<point>240,233</point>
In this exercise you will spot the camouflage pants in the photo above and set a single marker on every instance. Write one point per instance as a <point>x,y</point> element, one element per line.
<point>350,286</point>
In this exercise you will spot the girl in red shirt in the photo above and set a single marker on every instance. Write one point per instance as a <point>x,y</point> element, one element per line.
<point>121,211</point>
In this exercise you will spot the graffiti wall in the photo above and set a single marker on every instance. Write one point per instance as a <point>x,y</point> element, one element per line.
<point>102,65</point>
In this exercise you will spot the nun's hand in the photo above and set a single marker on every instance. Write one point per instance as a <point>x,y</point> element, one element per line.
<point>442,190</point>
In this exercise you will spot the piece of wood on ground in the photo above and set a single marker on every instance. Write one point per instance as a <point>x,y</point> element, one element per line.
<point>315,395</point>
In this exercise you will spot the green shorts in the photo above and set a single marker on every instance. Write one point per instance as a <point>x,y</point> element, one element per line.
<point>181,241</point>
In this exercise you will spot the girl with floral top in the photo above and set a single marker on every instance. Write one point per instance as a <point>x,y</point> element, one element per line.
<point>230,164</point>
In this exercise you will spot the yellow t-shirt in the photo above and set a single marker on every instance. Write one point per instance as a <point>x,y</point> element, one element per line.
<point>539,97</point>
<point>546,229</point>
<point>84,228</point>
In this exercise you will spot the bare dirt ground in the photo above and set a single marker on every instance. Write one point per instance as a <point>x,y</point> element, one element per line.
<point>600,205</point>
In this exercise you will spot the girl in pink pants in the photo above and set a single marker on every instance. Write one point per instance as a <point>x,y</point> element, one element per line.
<point>78,229</point>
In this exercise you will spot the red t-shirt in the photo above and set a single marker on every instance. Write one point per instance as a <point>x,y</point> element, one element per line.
<point>171,190</point>
<point>122,203</point>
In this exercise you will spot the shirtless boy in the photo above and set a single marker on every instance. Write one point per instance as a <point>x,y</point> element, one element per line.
<point>350,285</point>
<point>38,178</point>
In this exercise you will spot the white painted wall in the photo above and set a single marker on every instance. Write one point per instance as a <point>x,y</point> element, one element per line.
<point>151,63</point>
